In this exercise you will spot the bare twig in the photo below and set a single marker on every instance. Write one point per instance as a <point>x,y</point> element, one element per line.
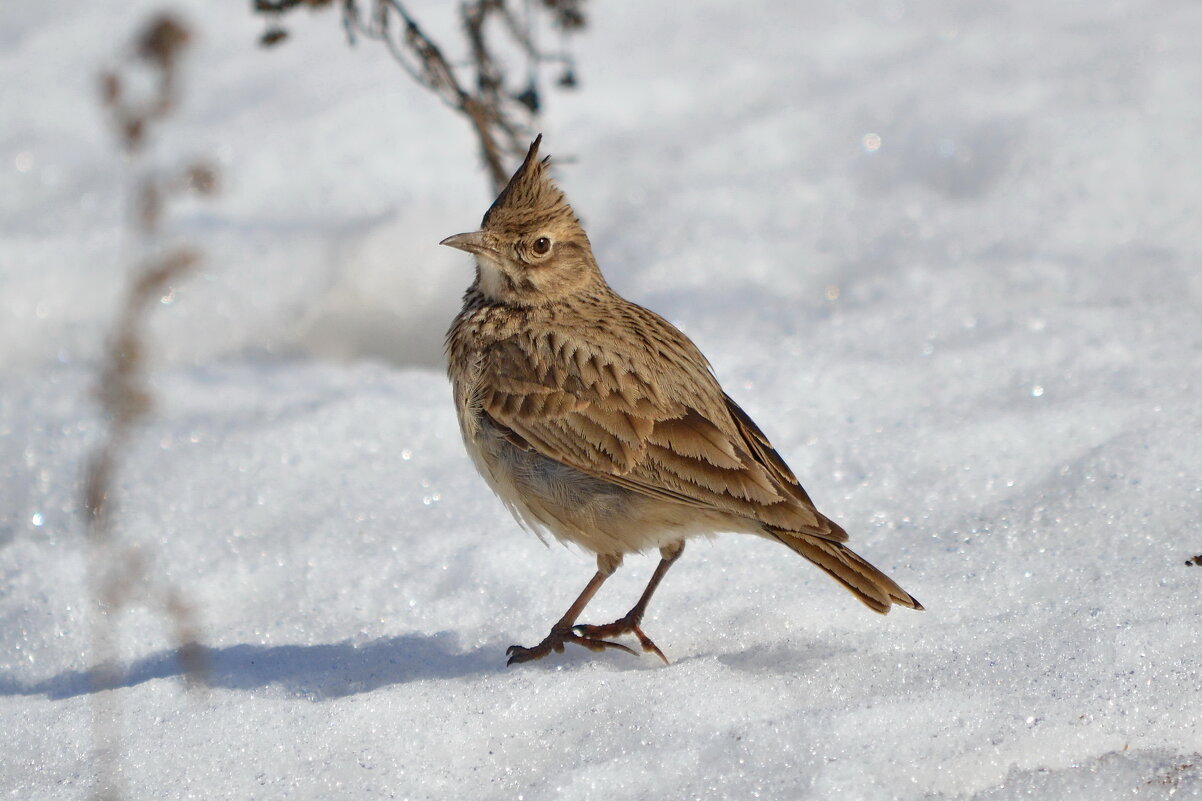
<point>501,114</point>
<point>121,574</point>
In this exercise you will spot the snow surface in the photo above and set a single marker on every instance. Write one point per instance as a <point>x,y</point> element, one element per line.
<point>992,344</point>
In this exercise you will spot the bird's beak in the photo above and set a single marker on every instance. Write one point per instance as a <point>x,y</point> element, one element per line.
<point>473,242</point>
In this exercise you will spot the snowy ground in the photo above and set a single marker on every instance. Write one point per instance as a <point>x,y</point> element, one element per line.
<point>979,344</point>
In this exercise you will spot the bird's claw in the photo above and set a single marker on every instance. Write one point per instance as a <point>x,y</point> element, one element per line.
<point>555,642</point>
<point>625,625</point>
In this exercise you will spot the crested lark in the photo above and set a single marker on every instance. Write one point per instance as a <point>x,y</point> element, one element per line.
<point>598,421</point>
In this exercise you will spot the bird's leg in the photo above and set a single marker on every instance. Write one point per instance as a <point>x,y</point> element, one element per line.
<point>629,624</point>
<point>562,632</point>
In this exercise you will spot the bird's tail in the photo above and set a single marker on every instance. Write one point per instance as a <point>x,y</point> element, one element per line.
<point>874,588</point>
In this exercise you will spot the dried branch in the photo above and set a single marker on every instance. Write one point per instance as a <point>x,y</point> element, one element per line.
<point>121,574</point>
<point>501,113</point>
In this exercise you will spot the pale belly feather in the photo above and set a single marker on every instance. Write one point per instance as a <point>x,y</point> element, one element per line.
<point>546,495</point>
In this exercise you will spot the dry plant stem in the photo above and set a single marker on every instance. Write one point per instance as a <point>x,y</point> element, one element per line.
<point>499,115</point>
<point>422,59</point>
<point>121,575</point>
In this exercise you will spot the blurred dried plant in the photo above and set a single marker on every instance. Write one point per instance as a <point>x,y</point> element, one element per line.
<point>122,574</point>
<point>500,111</point>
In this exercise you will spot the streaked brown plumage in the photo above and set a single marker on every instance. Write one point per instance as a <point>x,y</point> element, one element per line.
<point>598,421</point>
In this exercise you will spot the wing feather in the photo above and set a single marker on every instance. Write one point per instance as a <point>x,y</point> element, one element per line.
<point>664,429</point>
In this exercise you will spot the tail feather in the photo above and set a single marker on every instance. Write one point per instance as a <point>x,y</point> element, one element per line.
<point>876,590</point>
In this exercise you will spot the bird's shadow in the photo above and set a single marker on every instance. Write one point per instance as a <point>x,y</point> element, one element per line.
<point>314,672</point>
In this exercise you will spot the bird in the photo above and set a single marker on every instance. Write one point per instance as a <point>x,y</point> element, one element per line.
<point>600,423</point>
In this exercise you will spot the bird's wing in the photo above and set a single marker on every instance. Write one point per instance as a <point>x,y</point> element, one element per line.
<point>672,435</point>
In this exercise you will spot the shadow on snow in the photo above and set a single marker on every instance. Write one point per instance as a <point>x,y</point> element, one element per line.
<point>315,672</point>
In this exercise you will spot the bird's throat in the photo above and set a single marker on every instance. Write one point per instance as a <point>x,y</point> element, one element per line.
<point>493,282</point>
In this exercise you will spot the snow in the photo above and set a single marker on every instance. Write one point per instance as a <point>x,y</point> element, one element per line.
<point>946,254</point>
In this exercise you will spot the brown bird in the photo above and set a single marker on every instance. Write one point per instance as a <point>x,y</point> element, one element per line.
<point>598,421</point>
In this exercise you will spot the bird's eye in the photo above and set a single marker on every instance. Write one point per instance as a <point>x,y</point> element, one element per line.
<point>542,246</point>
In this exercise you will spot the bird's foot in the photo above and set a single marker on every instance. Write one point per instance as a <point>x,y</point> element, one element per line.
<point>555,641</point>
<point>623,625</point>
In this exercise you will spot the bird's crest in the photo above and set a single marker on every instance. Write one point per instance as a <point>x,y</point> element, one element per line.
<point>529,196</point>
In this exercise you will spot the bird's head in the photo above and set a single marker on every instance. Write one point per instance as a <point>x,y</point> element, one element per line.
<point>530,249</point>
